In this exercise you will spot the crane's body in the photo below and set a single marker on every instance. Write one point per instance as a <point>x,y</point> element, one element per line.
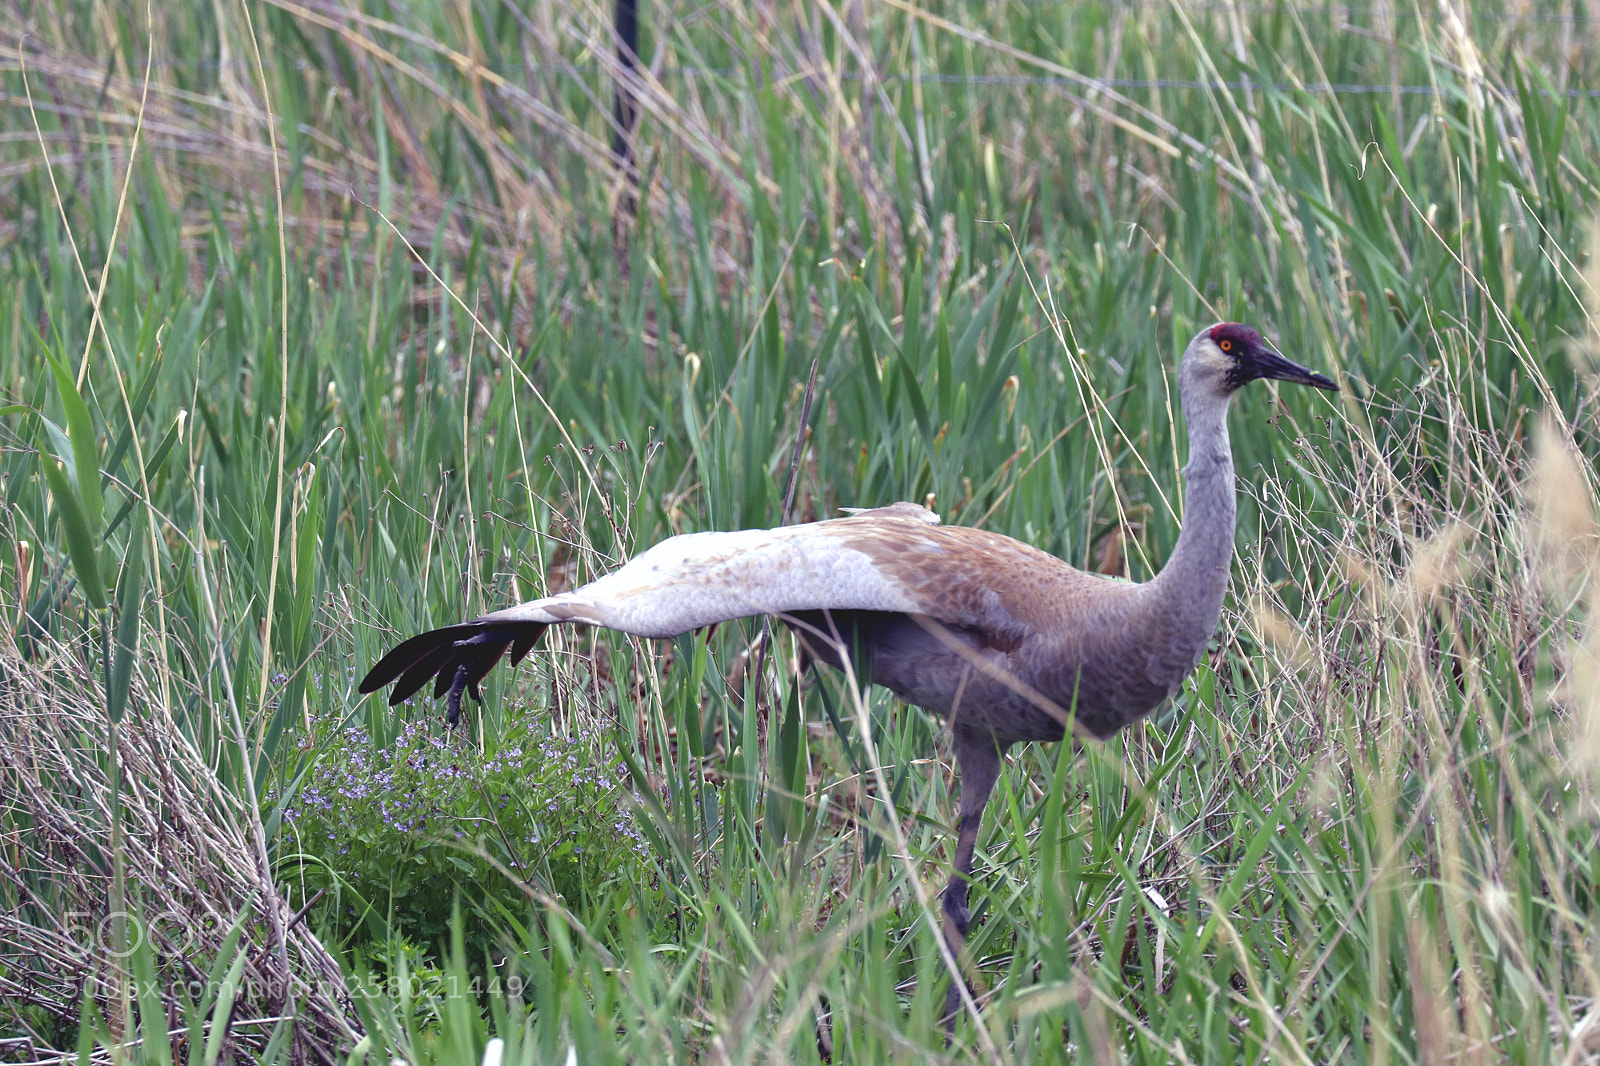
<point>1005,641</point>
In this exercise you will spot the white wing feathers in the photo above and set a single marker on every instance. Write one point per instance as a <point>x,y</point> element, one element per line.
<point>699,579</point>
<point>681,584</point>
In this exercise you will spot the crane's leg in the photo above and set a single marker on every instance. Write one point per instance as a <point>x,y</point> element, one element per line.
<point>978,758</point>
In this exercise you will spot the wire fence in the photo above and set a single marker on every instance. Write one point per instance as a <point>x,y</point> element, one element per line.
<point>592,72</point>
<point>1238,85</point>
<point>1345,11</point>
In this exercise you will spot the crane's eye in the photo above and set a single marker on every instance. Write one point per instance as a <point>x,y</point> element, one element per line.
<point>1226,346</point>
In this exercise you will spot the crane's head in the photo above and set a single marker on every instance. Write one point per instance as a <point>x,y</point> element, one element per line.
<point>1229,354</point>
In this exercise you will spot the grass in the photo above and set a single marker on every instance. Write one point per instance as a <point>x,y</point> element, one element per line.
<point>1364,832</point>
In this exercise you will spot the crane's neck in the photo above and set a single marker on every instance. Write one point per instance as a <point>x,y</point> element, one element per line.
<point>1186,596</point>
<point>1204,552</point>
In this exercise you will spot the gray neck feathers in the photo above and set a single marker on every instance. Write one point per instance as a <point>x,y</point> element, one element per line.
<point>1186,596</point>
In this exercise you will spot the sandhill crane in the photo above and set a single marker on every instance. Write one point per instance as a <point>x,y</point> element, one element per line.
<point>1006,642</point>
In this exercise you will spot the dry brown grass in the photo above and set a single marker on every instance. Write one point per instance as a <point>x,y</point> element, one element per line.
<point>188,864</point>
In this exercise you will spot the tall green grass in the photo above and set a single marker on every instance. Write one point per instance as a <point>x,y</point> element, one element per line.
<point>1364,833</point>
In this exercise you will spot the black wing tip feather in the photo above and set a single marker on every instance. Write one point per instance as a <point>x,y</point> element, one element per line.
<point>436,655</point>
<point>408,653</point>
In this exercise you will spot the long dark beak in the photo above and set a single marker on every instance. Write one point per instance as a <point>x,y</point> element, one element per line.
<point>1269,364</point>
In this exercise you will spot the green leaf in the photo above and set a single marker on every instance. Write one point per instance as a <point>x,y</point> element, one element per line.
<point>227,990</point>
<point>141,401</point>
<point>80,539</point>
<point>61,443</point>
<point>80,429</point>
<point>130,594</point>
<point>151,469</point>
<point>152,1014</point>
<point>785,796</point>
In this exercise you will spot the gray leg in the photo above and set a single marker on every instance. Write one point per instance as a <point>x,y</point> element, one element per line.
<point>978,759</point>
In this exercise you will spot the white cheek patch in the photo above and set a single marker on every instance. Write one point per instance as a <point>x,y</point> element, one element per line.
<point>1212,358</point>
